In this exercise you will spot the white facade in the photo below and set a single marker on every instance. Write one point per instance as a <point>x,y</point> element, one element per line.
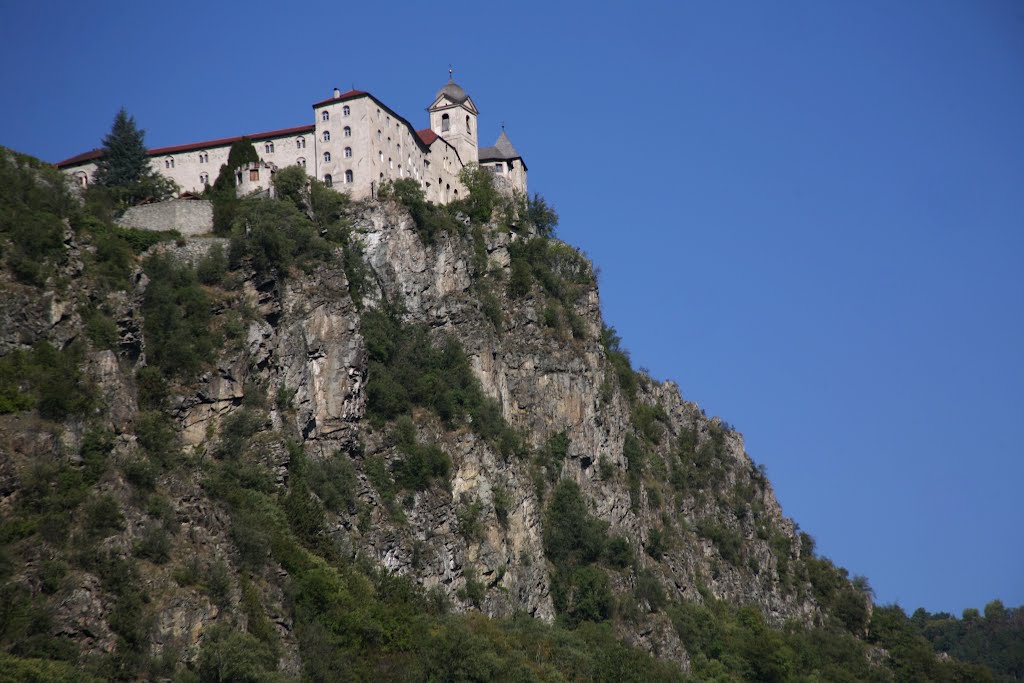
<point>355,143</point>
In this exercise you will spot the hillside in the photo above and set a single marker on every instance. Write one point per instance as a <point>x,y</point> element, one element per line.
<point>376,441</point>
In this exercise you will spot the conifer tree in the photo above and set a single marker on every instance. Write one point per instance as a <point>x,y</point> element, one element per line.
<point>125,161</point>
<point>124,167</point>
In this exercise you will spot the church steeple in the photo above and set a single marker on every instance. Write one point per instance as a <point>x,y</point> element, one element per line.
<point>453,116</point>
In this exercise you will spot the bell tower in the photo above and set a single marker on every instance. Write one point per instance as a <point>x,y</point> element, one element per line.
<point>453,116</point>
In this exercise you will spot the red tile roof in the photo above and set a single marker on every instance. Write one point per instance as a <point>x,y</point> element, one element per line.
<point>427,136</point>
<point>350,95</point>
<point>159,151</point>
<point>280,133</point>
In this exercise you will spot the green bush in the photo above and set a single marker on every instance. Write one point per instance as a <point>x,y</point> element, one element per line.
<point>618,553</point>
<point>176,318</point>
<point>33,205</point>
<point>407,370</point>
<point>728,541</point>
<point>46,379</point>
<point>422,464</point>
<point>618,358</point>
<point>430,220</point>
<point>469,517</point>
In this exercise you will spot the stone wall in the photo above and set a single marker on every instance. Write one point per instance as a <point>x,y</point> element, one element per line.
<point>187,216</point>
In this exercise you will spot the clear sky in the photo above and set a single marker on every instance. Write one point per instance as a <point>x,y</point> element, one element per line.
<point>809,214</point>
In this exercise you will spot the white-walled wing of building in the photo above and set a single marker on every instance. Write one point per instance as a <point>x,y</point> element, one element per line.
<point>355,143</point>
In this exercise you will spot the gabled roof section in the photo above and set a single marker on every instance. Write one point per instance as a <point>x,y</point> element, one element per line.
<point>82,158</point>
<point>350,95</point>
<point>206,144</point>
<point>255,137</point>
<point>427,136</point>
<point>444,102</point>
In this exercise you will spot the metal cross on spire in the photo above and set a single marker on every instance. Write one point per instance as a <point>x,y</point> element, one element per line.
<point>449,72</point>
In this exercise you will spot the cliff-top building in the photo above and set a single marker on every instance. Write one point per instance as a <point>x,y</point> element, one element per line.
<point>354,143</point>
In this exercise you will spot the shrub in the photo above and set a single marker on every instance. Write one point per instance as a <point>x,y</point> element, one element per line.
<point>728,541</point>
<point>541,215</point>
<point>571,535</point>
<point>422,462</point>
<point>656,543</point>
<point>46,379</point>
<point>429,220</point>
<point>407,370</point>
<point>470,520</point>
<point>502,503</point>
<point>229,655</point>
<point>618,553</point>
<point>177,317</point>
<point>103,517</point>
<point>618,358</point>
<point>649,591</point>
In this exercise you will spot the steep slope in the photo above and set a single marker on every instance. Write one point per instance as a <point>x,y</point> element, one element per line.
<point>310,449</point>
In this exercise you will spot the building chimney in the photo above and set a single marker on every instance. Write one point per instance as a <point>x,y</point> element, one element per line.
<point>337,93</point>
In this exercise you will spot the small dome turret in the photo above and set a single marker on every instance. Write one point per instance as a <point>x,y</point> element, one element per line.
<point>453,91</point>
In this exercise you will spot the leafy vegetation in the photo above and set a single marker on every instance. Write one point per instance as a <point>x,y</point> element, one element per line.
<point>46,379</point>
<point>177,316</point>
<point>993,638</point>
<point>33,206</point>
<point>407,370</point>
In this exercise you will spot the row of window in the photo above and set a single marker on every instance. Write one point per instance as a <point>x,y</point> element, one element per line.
<point>348,154</point>
<point>326,115</point>
<point>346,130</point>
<point>329,179</point>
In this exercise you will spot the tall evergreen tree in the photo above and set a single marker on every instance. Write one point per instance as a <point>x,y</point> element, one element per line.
<point>125,161</point>
<point>225,201</point>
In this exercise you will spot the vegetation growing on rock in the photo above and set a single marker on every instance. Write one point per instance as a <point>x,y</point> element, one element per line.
<point>335,450</point>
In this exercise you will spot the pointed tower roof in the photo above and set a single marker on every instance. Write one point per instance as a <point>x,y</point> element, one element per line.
<point>501,151</point>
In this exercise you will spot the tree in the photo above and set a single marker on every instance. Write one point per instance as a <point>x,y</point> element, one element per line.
<point>124,167</point>
<point>225,200</point>
<point>125,160</point>
<point>242,152</point>
<point>542,215</point>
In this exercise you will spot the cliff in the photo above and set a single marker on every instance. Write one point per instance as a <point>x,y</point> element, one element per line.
<point>414,412</point>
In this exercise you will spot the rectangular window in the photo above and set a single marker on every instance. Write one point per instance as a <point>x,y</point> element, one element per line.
<point>254,174</point>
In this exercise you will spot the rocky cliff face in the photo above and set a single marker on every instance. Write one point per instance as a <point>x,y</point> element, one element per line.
<point>699,516</point>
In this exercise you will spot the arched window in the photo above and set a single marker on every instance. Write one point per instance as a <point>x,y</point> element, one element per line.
<point>325,115</point>
<point>83,179</point>
<point>348,176</point>
<point>301,162</point>
<point>378,135</point>
<point>348,132</point>
<point>300,143</point>
<point>445,123</point>
<point>468,129</point>
<point>391,164</point>
<point>348,152</point>
<point>204,178</point>
<point>327,136</point>
<point>328,180</point>
<point>327,157</point>
<point>345,111</point>
<point>169,162</point>
<point>203,157</point>
<point>269,148</point>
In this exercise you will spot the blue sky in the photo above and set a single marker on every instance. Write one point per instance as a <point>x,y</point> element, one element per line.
<point>808,214</point>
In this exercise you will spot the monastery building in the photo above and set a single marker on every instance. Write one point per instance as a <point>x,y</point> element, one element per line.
<point>354,143</point>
